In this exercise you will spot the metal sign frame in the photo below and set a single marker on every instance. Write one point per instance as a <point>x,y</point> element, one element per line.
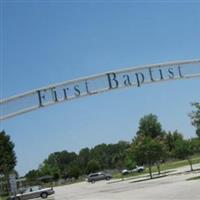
<point>96,84</point>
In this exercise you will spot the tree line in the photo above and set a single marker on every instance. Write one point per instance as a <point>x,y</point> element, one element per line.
<point>151,146</point>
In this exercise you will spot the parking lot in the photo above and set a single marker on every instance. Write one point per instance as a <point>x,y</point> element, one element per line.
<point>166,188</point>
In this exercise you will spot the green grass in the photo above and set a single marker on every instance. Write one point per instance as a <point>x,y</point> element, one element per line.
<point>163,167</point>
<point>176,164</point>
<point>119,175</point>
<point>3,198</point>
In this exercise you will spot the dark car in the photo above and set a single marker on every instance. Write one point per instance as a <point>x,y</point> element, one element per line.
<point>98,176</point>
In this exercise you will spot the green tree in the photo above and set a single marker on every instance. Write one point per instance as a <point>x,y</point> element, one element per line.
<point>83,158</point>
<point>74,172</point>
<point>184,150</point>
<point>45,169</point>
<point>151,129</point>
<point>150,126</point>
<point>116,154</point>
<point>195,144</point>
<point>171,139</point>
<point>57,164</point>
<point>129,161</point>
<point>7,154</point>
<point>195,117</point>
<point>55,173</point>
<point>148,151</point>
<point>110,156</point>
<point>92,166</point>
<point>99,154</point>
<point>32,175</point>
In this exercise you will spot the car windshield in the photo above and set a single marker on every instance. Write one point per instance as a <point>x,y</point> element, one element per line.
<point>92,175</point>
<point>32,189</point>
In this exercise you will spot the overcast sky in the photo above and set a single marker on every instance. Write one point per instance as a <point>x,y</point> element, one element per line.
<point>46,42</point>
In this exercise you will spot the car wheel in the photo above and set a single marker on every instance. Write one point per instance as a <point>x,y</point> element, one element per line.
<point>107,178</point>
<point>92,181</point>
<point>44,195</point>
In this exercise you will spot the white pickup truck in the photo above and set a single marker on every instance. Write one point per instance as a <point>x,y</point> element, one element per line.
<point>137,169</point>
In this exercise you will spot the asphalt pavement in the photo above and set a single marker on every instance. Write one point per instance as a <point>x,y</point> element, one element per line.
<point>173,186</point>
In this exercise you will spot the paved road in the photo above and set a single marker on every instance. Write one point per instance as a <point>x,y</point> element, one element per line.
<point>173,187</point>
<point>168,188</point>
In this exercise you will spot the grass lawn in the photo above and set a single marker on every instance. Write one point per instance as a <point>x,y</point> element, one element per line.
<point>3,198</point>
<point>176,164</point>
<point>165,166</point>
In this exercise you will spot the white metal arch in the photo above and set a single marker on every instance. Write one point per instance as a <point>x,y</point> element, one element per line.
<point>92,85</point>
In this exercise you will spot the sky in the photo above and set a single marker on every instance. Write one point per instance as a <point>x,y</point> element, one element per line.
<point>47,42</point>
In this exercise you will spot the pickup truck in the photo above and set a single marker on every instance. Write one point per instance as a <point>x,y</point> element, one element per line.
<point>137,169</point>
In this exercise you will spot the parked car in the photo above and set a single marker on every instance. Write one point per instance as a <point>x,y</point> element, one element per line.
<point>33,192</point>
<point>98,176</point>
<point>137,169</point>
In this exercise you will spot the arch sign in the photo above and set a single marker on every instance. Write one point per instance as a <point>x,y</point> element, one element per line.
<point>92,85</point>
